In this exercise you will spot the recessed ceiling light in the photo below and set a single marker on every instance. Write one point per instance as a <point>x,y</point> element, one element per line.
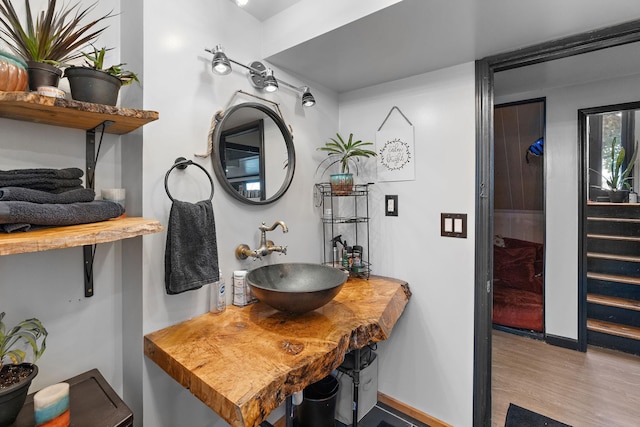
<point>242,2</point>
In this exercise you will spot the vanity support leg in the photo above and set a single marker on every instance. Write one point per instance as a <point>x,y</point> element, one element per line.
<point>356,385</point>
<point>288,418</point>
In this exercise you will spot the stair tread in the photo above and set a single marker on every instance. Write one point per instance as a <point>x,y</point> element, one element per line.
<point>610,219</point>
<point>613,237</point>
<point>613,257</point>
<point>614,278</point>
<point>613,329</point>
<point>628,304</point>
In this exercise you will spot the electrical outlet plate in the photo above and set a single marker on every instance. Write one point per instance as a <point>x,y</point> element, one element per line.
<point>453,225</point>
<point>391,205</point>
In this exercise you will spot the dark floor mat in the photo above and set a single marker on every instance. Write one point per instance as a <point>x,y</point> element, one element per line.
<point>384,424</point>
<point>521,417</point>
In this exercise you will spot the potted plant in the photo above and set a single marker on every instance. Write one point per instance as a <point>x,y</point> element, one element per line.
<point>617,179</point>
<point>94,83</point>
<point>346,154</point>
<point>52,39</point>
<point>16,376</point>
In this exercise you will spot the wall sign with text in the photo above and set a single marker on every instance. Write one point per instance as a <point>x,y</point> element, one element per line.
<point>395,148</point>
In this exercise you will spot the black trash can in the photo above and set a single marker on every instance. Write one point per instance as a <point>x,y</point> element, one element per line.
<point>318,408</point>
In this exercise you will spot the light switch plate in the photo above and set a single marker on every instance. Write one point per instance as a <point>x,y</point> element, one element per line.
<point>453,225</point>
<point>391,205</point>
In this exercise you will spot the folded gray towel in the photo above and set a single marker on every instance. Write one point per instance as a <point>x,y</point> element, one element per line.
<point>191,253</point>
<point>11,228</point>
<point>65,189</point>
<point>19,194</point>
<point>41,183</point>
<point>58,214</point>
<point>67,173</point>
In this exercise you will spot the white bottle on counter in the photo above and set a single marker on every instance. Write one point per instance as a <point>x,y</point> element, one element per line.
<point>240,288</point>
<point>218,295</point>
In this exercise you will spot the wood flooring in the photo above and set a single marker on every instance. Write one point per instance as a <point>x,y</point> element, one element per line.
<point>599,388</point>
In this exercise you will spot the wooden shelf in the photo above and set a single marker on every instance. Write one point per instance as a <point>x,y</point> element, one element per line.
<point>613,219</point>
<point>625,303</point>
<point>614,278</point>
<point>619,330</point>
<point>613,237</point>
<point>613,257</point>
<point>31,107</point>
<point>76,235</point>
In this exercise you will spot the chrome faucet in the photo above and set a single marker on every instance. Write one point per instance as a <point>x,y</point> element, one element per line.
<point>266,246</point>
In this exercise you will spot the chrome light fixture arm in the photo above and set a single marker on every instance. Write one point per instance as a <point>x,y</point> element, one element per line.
<point>261,76</point>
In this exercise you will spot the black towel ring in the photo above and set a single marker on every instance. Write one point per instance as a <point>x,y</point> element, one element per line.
<point>182,163</point>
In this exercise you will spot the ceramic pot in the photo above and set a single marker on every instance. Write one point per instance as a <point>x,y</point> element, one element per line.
<point>41,74</point>
<point>12,398</point>
<point>341,183</point>
<point>618,196</point>
<point>13,73</point>
<point>90,85</point>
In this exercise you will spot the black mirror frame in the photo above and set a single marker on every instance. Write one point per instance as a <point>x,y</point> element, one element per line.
<point>217,164</point>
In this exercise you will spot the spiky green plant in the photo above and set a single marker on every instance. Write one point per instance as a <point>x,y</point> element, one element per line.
<point>345,153</point>
<point>96,61</point>
<point>54,37</point>
<point>26,332</point>
<point>618,177</point>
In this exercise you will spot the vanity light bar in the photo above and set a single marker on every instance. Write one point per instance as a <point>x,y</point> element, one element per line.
<point>261,76</point>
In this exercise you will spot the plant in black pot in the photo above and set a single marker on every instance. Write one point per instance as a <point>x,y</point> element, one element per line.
<point>15,374</point>
<point>53,38</point>
<point>345,153</point>
<point>94,83</point>
<point>617,174</point>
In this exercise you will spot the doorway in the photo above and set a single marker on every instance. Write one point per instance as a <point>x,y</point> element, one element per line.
<point>485,69</point>
<point>518,218</point>
<point>610,225</point>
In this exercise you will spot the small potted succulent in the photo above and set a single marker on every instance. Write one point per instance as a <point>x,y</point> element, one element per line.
<point>346,154</point>
<point>618,175</point>
<point>15,375</point>
<point>92,82</point>
<point>52,39</point>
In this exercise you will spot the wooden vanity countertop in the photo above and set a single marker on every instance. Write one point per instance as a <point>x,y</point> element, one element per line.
<point>244,362</point>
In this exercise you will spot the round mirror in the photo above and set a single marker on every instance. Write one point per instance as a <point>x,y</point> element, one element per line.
<point>253,155</point>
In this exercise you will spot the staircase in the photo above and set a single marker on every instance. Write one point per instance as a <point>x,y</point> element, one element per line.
<point>613,276</point>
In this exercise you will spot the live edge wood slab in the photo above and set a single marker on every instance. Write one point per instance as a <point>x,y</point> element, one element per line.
<point>244,362</point>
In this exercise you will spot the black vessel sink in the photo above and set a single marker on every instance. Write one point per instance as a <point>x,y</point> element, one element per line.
<point>296,287</point>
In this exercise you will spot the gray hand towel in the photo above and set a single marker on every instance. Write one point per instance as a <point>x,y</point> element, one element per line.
<point>67,173</point>
<point>191,253</point>
<point>58,214</point>
<point>19,194</point>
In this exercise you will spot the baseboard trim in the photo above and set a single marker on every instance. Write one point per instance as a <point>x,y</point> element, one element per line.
<point>410,411</point>
<point>569,343</point>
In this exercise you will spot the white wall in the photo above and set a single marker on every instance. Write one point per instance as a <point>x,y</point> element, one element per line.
<point>428,361</point>
<point>180,85</point>
<point>561,183</point>
<point>523,225</point>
